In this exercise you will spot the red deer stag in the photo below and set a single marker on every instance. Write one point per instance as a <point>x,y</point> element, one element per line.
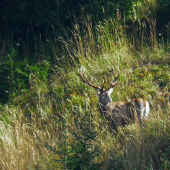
<point>119,113</point>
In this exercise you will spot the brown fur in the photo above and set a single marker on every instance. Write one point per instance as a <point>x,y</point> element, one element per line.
<point>122,113</point>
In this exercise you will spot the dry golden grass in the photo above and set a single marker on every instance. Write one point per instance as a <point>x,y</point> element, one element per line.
<point>59,125</point>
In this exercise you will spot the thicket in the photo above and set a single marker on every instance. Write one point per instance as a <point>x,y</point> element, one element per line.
<point>51,119</point>
<point>29,29</point>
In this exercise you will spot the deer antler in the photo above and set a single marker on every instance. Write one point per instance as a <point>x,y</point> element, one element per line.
<point>87,81</point>
<point>116,77</point>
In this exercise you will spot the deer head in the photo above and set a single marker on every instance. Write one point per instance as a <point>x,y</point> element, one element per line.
<point>104,95</point>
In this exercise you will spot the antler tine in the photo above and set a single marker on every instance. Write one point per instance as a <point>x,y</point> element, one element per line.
<point>87,81</point>
<point>113,71</point>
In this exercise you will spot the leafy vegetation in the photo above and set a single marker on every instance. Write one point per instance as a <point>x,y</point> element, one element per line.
<point>49,118</point>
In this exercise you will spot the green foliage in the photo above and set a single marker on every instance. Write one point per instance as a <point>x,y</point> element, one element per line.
<point>30,19</point>
<point>52,120</point>
<point>13,74</point>
<point>17,75</point>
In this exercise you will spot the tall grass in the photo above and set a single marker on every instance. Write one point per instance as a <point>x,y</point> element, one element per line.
<point>57,125</point>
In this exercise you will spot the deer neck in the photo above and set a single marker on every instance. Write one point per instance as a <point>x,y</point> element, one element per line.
<point>102,108</point>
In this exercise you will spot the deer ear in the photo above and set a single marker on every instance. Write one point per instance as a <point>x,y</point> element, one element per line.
<point>98,92</point>
<point>110,91</point>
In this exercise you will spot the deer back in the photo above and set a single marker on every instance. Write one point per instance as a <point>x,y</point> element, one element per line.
<point>121,113</point>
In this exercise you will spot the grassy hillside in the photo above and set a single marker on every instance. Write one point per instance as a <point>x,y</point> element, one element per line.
<point>55,123</point>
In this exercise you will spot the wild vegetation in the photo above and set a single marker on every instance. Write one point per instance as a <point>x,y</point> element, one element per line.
<point>50,119</point>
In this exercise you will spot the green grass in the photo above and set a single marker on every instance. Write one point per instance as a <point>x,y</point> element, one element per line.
<point>57,125</point>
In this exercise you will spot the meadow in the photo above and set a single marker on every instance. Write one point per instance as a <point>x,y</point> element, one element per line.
<point>55,122</point>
